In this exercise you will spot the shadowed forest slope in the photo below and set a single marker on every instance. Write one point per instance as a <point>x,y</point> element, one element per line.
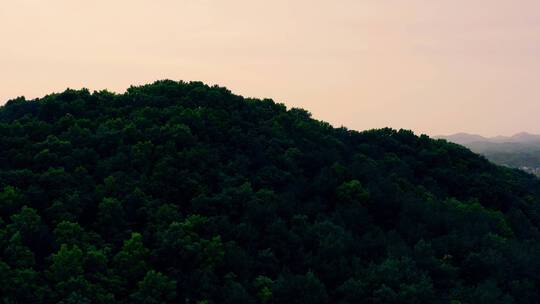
<point>185,193</point>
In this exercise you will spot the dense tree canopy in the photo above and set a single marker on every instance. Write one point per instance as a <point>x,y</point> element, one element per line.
<point>181,192</point>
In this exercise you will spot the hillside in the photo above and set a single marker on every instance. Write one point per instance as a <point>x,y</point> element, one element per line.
<point>184,193</point>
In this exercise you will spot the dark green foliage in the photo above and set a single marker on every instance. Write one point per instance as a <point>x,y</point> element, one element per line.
<point>154,288</point>
<point>184,193</point>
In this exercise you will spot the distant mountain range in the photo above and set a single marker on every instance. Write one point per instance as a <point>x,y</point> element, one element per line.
<point>466,138</point>
<point>521,150</point>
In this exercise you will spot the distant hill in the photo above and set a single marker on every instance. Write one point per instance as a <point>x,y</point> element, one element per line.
<point>522,137</point>
<point>179,192</point>
<point>466,138</point>
<point>521,150</point>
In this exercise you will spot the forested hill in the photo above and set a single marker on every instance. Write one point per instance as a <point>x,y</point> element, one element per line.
<point>185,193</point>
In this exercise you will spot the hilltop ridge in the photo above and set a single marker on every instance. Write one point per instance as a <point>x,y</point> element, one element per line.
<point>181,192</point>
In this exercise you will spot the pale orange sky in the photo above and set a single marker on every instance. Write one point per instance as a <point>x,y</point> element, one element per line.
<point>433,66</point>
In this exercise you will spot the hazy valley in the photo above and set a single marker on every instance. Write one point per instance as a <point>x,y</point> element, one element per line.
<point>521,150</point>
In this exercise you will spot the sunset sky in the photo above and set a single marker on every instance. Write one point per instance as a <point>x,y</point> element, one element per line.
<point>433,66</point>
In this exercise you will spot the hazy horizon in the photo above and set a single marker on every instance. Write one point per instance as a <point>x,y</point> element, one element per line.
<point>434,67</point>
